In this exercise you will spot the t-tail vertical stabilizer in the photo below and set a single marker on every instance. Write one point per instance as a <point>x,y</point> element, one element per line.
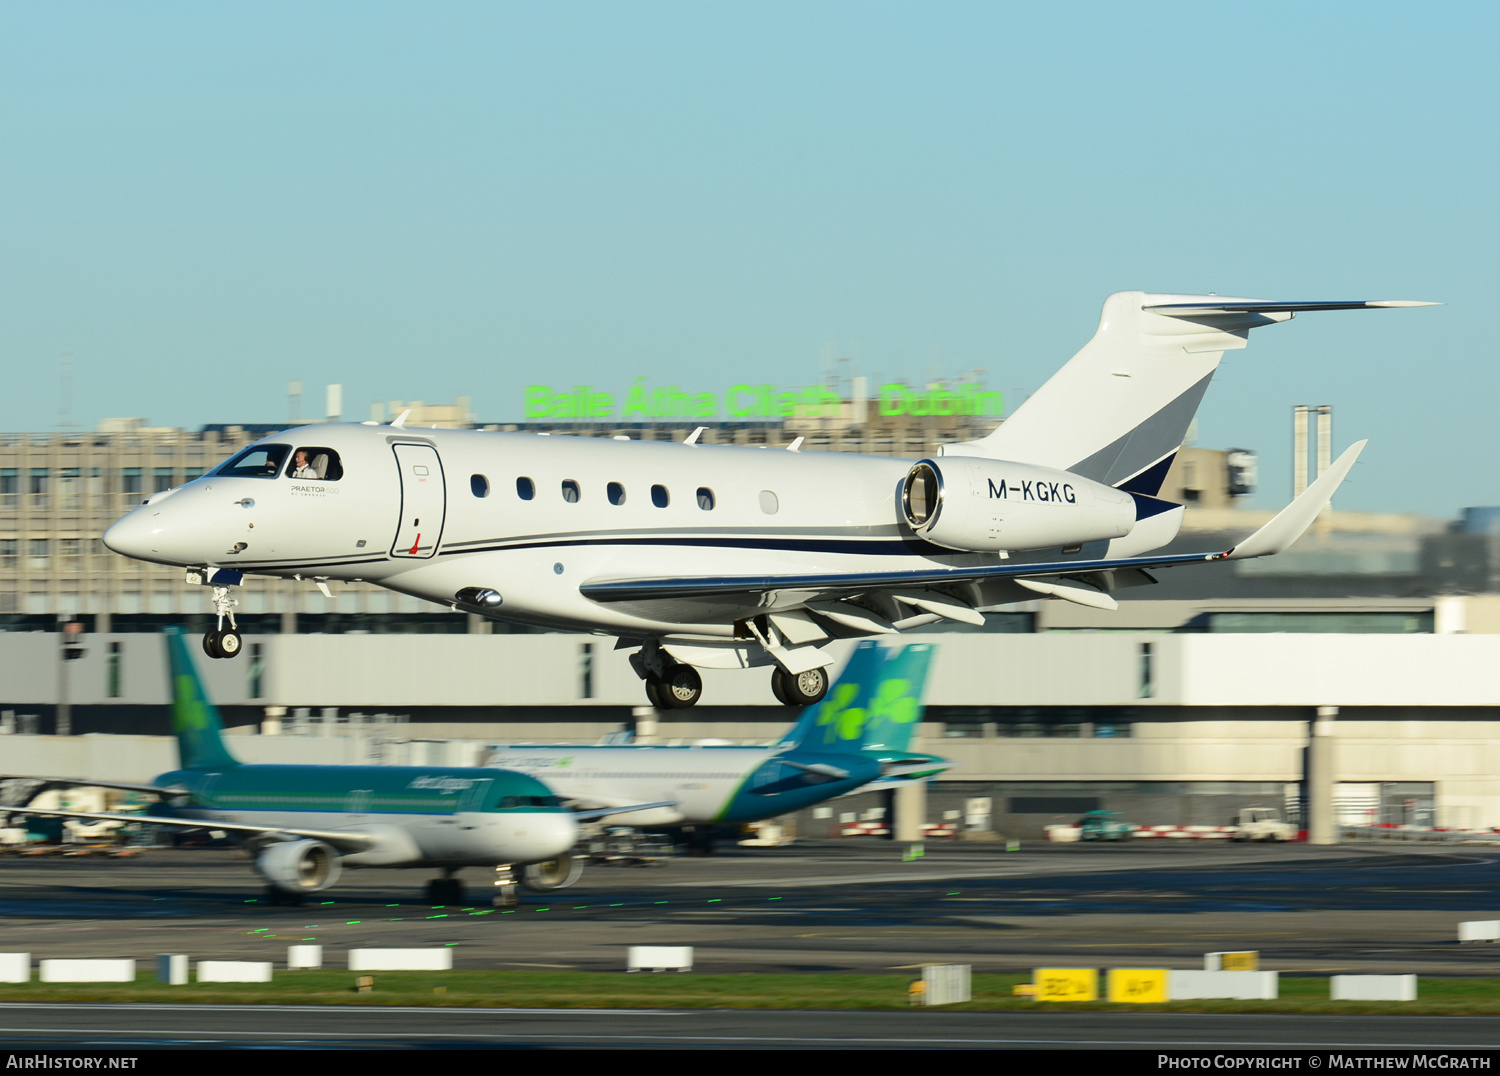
<point>195,719</point>
<point>1118,411</point>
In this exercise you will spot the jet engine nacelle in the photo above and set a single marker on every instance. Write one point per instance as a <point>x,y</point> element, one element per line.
<point>974,504</point>
<point>299,866</point>
<point>552,874</point>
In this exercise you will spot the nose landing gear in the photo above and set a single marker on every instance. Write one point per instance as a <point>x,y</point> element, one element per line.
<point>217,642</point>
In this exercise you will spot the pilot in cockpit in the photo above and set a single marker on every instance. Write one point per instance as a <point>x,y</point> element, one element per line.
<point>302,466</point>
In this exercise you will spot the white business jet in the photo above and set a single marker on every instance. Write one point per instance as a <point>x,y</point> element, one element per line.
<point>699,556</point>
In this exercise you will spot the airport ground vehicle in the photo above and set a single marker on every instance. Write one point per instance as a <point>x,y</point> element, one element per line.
<point>1104,826</point>
<point>1262,824</point>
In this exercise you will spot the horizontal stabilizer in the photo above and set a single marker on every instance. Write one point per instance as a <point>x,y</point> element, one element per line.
<point>1293,520</point>
<point>1262,306</point>
<point>819,769</point>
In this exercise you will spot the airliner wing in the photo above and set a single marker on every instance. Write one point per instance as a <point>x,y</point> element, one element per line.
<point>605,812</point>
<point>760,593</point>
<point>46,784</point>
<point>343,840</point>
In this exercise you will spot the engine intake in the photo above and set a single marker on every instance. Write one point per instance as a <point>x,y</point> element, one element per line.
<point>299,866</point>
<point>552,874</point>
<point>973,504</point>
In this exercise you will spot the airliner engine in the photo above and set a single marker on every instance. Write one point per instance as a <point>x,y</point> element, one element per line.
<point>299,866</point>
<point>973,504</point>
<point>551,874</point>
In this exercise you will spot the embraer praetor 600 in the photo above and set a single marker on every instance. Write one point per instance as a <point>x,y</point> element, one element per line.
<point>304,823</point>
<point>702,556</point>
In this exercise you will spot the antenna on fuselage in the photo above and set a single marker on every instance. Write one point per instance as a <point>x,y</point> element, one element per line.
<point>692,438</point>
<point>400,420</point>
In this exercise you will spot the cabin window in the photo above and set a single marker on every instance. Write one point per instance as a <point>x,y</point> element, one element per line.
<point>525,489</point>
<point>616,493</point>
<point>261,461</point>
<point>660,497</point>
<point>768,502</point>
<point>570,491</point>
<point>705,498</point>
<point>479,485</point>
<point>318,464</point>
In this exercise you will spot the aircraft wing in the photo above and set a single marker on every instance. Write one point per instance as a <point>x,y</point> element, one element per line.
<point>769,592</point>
<point>605,812</point>
<point>46,784</point>
<point>343,840</point>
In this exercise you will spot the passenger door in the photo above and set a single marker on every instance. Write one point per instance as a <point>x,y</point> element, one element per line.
<point>424,501</point>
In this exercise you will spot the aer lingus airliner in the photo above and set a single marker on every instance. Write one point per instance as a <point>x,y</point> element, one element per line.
<point>860,733</point>
<point>304,823</point>
<point>700,556</point>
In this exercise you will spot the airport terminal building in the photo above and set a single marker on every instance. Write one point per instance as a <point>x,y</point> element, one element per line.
<point>1353,671</point>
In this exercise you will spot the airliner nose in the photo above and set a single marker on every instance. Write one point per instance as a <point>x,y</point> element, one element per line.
<point>556,835</point>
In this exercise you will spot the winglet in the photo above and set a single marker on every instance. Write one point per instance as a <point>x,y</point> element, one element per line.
<point>1293,520</point>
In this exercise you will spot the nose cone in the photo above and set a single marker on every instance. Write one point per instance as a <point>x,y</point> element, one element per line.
<point>160,531</point>
<point>133,534</point>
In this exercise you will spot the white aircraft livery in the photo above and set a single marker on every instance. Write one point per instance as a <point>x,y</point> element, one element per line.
<point>859,735</point>
<point>701,556</point>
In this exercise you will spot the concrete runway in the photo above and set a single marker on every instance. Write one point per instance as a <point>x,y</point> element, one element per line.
<point>121,1028</point>
<point>819,906</point>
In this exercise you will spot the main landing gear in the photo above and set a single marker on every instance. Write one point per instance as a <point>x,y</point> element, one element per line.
<point>800,689</point>
<point>677,688</point>
<point>217,642</point>
<point>445,891</point>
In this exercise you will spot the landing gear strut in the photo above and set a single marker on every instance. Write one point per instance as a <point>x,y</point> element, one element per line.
<point>218,643</point>
<point>277,896</point>
<point>445,891</point>
<point>800,689</point>
<point>505,887</point>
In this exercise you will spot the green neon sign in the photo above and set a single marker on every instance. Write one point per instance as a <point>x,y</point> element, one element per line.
<point>643,402</point>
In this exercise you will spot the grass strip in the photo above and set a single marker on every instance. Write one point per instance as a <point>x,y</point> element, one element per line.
<point>529,988</point>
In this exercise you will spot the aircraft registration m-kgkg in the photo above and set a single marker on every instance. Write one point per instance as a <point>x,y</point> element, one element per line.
<point>699,556</point>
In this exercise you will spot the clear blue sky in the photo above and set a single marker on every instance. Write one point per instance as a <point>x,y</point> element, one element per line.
<point>202,201</point>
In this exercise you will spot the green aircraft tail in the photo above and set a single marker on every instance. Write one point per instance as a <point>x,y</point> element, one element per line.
<point>873,707</point>
<point>195,719</point>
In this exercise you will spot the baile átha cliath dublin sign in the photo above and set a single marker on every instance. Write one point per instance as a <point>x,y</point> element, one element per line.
<point>645,403</point>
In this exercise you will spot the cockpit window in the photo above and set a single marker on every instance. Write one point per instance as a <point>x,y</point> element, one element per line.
<point>259,461</point>
<point>319,464</point>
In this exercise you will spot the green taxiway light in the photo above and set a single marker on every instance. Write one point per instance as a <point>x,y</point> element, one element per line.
<point>544,909</point>
<point>773,898</point>
<point>393,905</point>
<point>617,905</point>
<point>716,900</point>
<point>309,939</point>
<point>661,902</point>
<point>354,922</point>
<point>443,916</point>
<point>328,902</point>
<point>954,893</point>
<point>509,911</point>
<point>579,907</point>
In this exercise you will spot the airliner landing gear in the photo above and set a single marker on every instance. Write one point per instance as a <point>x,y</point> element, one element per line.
<point>445,891</point>
<point>505,887</point>
<point>801,689</point>
<point>277,897</point>
<point>218,643</point>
